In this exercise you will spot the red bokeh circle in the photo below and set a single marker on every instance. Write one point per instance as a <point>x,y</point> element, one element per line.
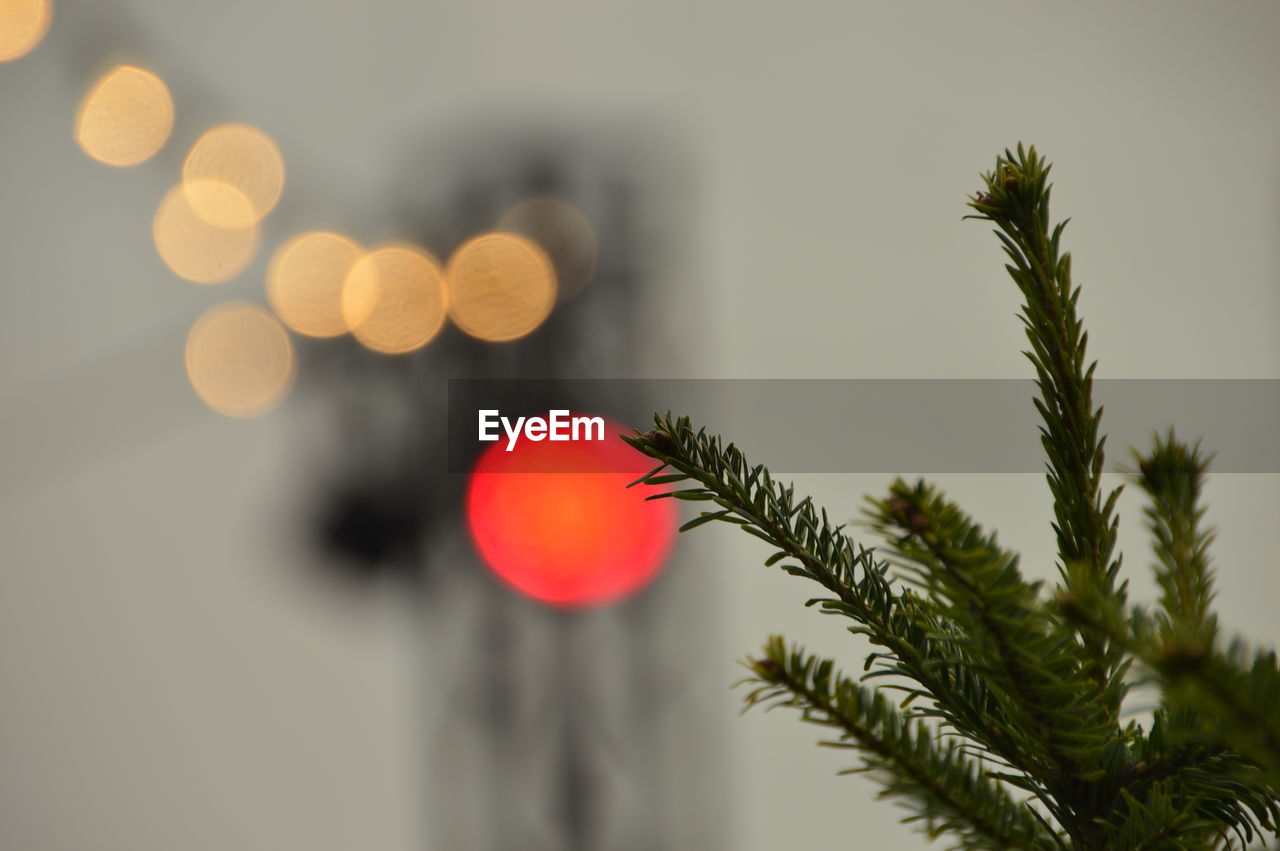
<point>569,539</point>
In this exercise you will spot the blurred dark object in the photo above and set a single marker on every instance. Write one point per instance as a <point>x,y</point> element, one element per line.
<point>371,529</point>
<point>555,727</point>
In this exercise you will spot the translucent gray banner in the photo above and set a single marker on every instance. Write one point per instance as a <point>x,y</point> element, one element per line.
<point>893,425</point>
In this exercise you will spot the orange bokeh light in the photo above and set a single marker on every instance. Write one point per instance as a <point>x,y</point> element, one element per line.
<point>502,286</point>
<point>570,539</point>
<point>194,249</point>
<point>394,300</point>
<point>305,280</point>
<point>239,359</point>
<point>23,24</point>
<point>125,118</point>
<point>244,158</point>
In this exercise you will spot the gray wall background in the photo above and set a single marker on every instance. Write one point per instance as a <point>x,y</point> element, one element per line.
<point>165,685</point>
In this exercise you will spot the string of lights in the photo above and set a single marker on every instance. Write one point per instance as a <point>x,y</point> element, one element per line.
<point>392,298</point>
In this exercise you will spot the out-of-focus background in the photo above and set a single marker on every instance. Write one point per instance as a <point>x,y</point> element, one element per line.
<point>181,667</point>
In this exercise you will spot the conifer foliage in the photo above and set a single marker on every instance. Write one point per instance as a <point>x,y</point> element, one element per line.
<point>1013,733</point>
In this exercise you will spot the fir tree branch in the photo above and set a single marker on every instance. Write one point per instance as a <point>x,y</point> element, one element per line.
<point>1034,672</point>
<point>1158,822</point>
<point>1223,788</point>
<point>1016,200</point>
<point>1233,695</point>
<point>1171,763</point>
<point>944,788</point>
<point>918,644</point>
<point>1172,475</point>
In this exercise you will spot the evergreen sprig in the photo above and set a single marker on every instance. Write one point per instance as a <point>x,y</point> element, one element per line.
<point>1016,200</point>
<point>1009,734</point>
<point>1173,476</point>
<point>945,789</point>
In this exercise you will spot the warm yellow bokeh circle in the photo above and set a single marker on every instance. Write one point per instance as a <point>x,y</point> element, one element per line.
<point>501,287</point>
<point>194,249</point>
<point>240,156</point>
<point>393,300</point>
<point>125,118</point>
<point>305,280</point>
<point>239,359</point>
<point>23,24</point>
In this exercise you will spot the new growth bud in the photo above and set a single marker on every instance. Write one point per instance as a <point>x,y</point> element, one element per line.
<point>662,441</point>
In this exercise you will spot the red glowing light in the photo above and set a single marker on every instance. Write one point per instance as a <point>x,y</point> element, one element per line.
<point>570,539</point>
